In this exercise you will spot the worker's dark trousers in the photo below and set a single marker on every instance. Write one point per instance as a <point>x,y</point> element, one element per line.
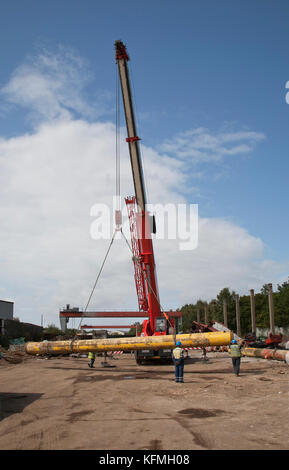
<point>236,364</point>
<point>179,372</point>
<point>91,362</point>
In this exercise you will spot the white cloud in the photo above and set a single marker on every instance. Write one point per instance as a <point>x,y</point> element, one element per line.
<point>200,145</point>
<point>50,179</point>
<point>52,86</point>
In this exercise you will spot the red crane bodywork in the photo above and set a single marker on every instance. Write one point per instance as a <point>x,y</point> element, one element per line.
<point>144,267</point>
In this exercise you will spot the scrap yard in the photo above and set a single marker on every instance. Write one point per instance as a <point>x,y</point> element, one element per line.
<point>59,403</point>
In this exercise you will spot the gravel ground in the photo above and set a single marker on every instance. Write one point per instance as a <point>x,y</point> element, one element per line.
<point>61,404</point>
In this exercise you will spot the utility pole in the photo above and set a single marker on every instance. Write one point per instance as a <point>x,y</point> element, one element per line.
<point>271,309</point>
<point>198,315</point>
<point>238,315</point>
<point>253,317</point>
<point>225,312</point>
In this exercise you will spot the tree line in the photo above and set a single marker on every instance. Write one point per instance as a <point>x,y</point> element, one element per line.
<point>215,309</point>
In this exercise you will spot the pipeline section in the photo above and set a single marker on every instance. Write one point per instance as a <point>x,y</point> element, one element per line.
<point>277,354</point>
<point>202,340</point>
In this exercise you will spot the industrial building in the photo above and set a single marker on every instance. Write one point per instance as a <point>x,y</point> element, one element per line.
<point>6,310</point>
<point>6,313</point>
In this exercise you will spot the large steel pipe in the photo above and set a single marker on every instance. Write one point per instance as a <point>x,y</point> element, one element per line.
<point>130,343</point>
<point>277,354</point>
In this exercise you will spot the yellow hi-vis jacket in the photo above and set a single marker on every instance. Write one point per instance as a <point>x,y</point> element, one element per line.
<point>234,350</point>
<point>91,355</point>
<point>178,354</point>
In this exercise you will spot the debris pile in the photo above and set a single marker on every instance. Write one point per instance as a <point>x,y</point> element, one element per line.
<point>12,356</point>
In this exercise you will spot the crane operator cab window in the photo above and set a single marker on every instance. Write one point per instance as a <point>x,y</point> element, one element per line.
<point>161,325</point>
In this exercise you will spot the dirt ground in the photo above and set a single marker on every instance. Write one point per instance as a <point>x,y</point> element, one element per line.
<point>61,404</point>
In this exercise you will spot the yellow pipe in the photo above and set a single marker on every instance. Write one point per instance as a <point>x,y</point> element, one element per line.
<point>130,343</point>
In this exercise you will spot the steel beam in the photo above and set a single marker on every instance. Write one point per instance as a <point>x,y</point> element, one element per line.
<point>137,314</point>
<point>106,327</point>
<point>67,314</point>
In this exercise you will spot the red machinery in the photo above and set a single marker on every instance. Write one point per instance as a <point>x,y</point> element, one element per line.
<point>198,327</point>
<point>272,342</point>
<point>141,224</point>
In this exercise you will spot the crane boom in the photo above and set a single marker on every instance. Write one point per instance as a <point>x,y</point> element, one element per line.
<point>132,137</point>
<point>145,275</point>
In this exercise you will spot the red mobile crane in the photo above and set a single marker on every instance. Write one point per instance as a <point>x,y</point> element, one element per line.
<point>141,226</point>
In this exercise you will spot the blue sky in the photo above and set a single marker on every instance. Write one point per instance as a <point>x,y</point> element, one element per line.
<point>219,67</point>
<point>194,64</point>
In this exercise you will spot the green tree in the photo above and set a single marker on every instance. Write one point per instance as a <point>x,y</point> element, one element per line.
<point>136,326</point>
<point>188,315</point>
<point>281,308</point>
<point>281,304</point>
<point>225,293</point>
<point>52,331</point>
<point>265,289</point>
<point>262,310</point>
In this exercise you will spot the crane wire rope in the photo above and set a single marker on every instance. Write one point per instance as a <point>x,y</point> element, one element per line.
<point>136,113</point>
<point>98,276</point>
<point>117,142</point>
<point>117,184</point>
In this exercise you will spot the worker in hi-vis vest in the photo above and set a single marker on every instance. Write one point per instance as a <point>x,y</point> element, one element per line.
<point>235,353</point>
<point>178,360</point>
<point>91,356</point>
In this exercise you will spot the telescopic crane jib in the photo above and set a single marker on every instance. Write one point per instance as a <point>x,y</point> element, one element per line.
<point>140,220</point>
